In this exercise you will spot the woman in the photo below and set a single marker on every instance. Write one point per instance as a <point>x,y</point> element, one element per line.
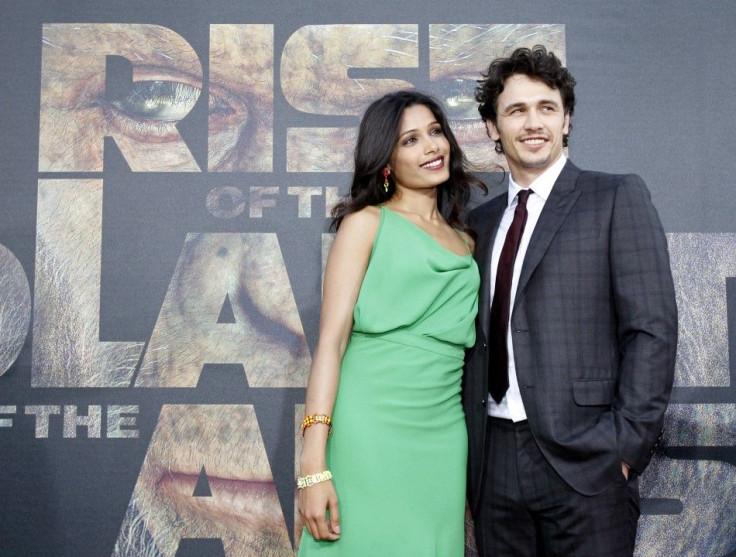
<point>398,309</point>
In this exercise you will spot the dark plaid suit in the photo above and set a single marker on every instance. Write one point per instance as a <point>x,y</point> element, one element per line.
<point>594,329</point>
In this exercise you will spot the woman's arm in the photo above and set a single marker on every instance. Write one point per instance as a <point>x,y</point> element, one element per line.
<point>346,267</point>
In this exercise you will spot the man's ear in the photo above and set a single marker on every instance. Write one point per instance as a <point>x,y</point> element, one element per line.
<point>492,131</point>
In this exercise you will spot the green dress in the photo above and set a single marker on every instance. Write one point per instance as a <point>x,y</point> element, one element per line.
<point>398,450</point>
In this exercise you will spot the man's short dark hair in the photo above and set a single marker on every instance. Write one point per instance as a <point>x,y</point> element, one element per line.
<point>537,64</point>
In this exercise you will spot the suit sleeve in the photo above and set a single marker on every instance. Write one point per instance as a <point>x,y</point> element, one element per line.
<point>646,313</point>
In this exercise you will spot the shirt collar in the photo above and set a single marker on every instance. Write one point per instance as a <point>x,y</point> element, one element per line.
<point>542,186</point>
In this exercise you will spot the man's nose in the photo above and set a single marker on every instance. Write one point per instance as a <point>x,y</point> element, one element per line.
<point>533,120</point>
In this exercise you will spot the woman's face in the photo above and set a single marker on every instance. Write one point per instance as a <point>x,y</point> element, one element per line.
<point>421,157</point>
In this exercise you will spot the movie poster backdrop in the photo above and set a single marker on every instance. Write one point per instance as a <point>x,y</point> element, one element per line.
<point>168,171</point>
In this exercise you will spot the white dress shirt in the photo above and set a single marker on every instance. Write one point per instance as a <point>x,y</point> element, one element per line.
<point>512,407</point>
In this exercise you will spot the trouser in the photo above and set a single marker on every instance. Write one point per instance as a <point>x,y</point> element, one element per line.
<point>527,509</point>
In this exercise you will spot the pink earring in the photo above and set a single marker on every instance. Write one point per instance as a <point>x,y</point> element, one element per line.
<point>386,173</point>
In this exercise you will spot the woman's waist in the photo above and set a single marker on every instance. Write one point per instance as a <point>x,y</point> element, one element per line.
<point>413,340</point>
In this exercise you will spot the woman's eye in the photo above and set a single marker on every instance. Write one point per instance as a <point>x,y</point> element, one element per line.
<point>458,96</point>
<point>160,101</point>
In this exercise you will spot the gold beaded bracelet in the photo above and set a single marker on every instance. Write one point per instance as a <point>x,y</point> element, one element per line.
<point>311,419</point>
<point>311,479</point>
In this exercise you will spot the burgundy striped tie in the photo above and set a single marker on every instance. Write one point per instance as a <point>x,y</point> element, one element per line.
<point>498,361</point>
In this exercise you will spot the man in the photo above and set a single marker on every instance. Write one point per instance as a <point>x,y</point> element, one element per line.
<point>566,387</point>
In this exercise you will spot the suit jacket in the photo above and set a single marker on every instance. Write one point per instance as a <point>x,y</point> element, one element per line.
<point>594,328</point>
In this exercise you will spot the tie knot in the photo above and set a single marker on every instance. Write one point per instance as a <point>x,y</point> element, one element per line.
<point>523,195</point>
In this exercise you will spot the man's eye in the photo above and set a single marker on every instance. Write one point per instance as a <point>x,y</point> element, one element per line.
<point>163,101</point>
<point>458,96</point>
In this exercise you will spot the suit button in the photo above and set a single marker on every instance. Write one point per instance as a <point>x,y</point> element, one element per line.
<point>482,402</point>
<point>485,345</point>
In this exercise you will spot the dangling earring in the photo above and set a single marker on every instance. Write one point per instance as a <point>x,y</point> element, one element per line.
<point>386,173</point>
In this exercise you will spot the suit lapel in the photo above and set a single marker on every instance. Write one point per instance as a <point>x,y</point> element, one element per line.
<point>558,205</point>
<point>484,250</point>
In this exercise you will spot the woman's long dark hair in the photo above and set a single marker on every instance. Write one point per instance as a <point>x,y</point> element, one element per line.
<point>377,138</point>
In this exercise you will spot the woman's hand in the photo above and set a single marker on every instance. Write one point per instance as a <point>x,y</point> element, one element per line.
<point>314,504</point>
<point>344,273</point>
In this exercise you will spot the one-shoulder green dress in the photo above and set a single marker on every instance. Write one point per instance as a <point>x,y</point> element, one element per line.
<point>398,450</point>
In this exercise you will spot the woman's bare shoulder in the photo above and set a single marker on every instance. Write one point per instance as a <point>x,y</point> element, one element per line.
<point>363,221</point>
<point>468,240</point>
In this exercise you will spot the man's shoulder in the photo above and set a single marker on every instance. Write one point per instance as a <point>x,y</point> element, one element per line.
<point>610,184</point>
<point>597,179</point>
<point>487,208</point>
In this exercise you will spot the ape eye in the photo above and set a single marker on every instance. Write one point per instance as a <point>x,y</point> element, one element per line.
<point>458,96</point>
<point>161,101</point>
